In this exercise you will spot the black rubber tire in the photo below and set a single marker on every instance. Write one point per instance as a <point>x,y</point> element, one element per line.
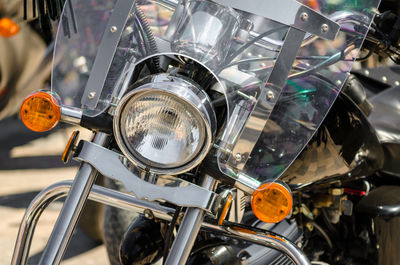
<point>115,224</point>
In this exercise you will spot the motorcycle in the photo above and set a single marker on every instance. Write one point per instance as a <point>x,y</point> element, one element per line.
<point>25,57</point>
<point>223,126</point>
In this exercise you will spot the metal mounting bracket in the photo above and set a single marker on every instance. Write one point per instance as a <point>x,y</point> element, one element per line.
<point>173,189</point>
<point>290,13</point>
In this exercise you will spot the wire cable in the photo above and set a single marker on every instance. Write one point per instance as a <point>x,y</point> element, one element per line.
<point>168,236</point>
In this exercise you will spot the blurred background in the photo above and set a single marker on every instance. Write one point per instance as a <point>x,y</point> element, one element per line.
<point>31,161</point>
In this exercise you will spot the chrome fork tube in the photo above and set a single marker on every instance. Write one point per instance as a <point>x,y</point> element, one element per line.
<point>71,210</point>
<point>188,231</point>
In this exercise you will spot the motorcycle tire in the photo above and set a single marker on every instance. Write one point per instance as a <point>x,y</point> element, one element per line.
<point>115,224</point>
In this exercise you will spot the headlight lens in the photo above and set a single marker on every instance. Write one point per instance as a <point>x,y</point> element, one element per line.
<point>162,130</point>
<point>164,127</point>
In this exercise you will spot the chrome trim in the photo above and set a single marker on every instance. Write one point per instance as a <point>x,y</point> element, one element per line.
<point>71,210</point>
<point>60,190</point>
<point>105,53</point>
<point>174,190</point>
<point>260,237</point>
<point>188,230</point>
<point>246,183</point>
<point>189,93</point>
<point>71,115</point>
<point>289,12</point>
<point>128,202</point>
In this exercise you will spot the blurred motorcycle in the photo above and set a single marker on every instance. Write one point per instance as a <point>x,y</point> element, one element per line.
<point>25,57</point>
<point>234,130</point>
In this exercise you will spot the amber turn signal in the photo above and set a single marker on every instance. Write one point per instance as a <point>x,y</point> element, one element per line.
<point>8,28</point>
<point>40,112</point>
<point>271,202</point>
<point>225,210</point>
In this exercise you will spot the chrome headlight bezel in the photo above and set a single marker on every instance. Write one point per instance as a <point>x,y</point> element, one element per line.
<point>180,89</point>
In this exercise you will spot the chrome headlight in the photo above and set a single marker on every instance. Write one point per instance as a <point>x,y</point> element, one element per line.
<point>165,125</point>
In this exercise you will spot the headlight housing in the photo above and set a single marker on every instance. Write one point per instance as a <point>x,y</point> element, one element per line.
<point>166,125</point>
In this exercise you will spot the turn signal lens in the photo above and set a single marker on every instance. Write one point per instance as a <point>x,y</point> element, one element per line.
<point>40,112</point>
<point>8,28</point>
<point>271,202</point>
<point>225,210</point>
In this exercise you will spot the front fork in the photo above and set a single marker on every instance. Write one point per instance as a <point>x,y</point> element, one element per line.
<point>71,210</point>
<point>81,190</point>
<point>73,206</point>
<point>188,230</point>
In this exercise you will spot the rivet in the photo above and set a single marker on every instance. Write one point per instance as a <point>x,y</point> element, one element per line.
<point>238,157</point>
<point>148,214</point>
<point>270,95</point>
<point>324,28</point>
<point>92,95</point>
<point>300,245</point>
<point>304,16</point>
<point>113,29</point>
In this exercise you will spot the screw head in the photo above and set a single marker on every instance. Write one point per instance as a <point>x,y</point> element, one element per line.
<point>366,72</point>
<point>92,95</point>
<point>324,28</point>
<point>384,79</point>
<point>397,83</point>
<point>238,157</point>
<point>299,244</point>
<point>148,214</point>
<point>270,95</point>
<point>304,16</point>
<point>113,29</point>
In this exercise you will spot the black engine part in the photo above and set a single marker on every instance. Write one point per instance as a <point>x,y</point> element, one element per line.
<point>142,243</point>
<point>214,252</point>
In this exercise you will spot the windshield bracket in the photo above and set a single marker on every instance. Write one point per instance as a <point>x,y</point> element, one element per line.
<point>106,52</point>
<point>269,96</point>
<point>290,13</point>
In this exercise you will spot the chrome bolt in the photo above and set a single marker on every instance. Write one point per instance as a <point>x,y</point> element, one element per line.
<point>384,79</point>
<point>113,29</point>
<point>324,28</point>
<point>300,245</point>
<point>270,95</point>
<point>338,82</point>
<point>397,83</point>
<point>304,16</point>
<point>92,95</point>
<point>366,72</point>
<point>148,214</point>
<point>238,157</point>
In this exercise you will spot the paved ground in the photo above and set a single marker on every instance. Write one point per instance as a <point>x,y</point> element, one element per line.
<point>28,163</point>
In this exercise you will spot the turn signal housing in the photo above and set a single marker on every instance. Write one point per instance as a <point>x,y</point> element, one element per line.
<point>8,28</point>
<point>40,112</point>
<point>271,202</point>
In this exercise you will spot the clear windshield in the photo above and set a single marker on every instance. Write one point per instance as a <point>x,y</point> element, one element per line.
<point>270,115</point>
